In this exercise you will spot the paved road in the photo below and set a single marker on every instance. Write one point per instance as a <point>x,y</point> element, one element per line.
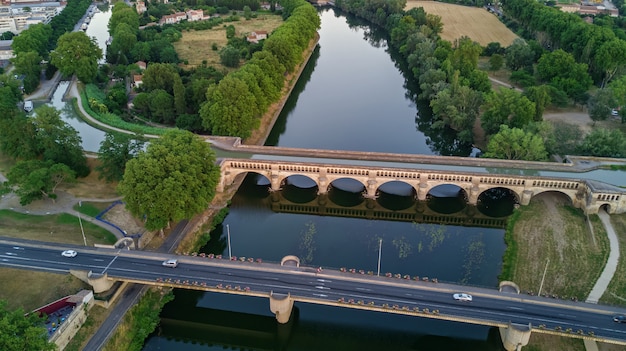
<point>489,307</point>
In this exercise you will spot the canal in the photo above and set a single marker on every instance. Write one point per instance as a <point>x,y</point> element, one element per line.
<point>351,96</point>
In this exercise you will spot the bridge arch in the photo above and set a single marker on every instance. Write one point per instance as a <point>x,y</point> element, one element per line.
<point>346,191</point>
<point>447,198</point>
<point>396,195</point>
<point>498,195</point>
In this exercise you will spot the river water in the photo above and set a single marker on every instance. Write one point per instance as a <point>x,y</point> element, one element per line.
<point>351,96</point>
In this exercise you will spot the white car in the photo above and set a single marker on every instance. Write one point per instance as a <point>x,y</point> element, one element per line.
<point>170,263</point>
<point>69,253</point>
<point>462,297</point>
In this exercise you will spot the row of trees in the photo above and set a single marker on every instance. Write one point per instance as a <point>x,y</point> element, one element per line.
<point>236,103</point>
<point>458,92</point>
<point>175,178</point>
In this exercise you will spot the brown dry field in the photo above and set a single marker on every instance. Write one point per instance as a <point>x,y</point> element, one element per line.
<point>196,46</point>
<point>476,23</point>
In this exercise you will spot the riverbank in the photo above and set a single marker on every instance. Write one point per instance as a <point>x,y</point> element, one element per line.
<point>200,223</point>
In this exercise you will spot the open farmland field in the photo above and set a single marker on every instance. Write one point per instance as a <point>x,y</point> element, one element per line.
<point>476,23</point>
<point>196,46</point>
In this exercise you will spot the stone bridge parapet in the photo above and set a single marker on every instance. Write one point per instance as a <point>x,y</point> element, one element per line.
<point>587,195</point>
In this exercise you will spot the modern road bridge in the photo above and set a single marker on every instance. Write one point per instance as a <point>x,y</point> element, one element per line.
<point>516,315</point>
<point>422,173</point>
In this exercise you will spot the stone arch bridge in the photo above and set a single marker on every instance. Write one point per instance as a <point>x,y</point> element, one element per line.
<point>587,195</point>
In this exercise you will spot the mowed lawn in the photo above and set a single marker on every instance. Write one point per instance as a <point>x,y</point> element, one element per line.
<point>197,46</point>
<point>476,23</point>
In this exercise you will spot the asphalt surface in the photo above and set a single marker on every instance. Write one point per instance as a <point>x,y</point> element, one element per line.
<point>489,307</point>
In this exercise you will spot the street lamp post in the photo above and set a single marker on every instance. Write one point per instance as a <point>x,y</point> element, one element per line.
<point>543,278</point>
<point>230,254</point>
<point>380,250</point>
<point>80,204</point>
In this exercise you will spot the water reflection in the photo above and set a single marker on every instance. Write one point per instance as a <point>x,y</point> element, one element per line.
<point>199,322</point>
<point>90,136</point>
<point>272,225</point>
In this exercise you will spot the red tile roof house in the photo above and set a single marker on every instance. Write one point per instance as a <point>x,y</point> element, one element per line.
<point>137,80</point>
<point>171,19</point>
<point>195,15</point>
<point>255,37</point>
<point>141,64</point>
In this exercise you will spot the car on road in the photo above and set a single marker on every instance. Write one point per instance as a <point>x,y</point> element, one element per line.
<point>620,318</point>
<point>69,253</point>
<point>170,263</point>
<point>462,297</point>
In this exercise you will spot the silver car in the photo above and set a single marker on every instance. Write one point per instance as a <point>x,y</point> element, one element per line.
<point>170,263</point>
<point>462,297</point>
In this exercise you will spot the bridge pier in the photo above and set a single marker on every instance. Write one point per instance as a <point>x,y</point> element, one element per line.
<point>275,181</point>
<point>515,336</point>
<point>322,185</point>
<point>472,198</point>
<point>422,191</point>
<point>371,189</point>
<point>526,196</point>
<point>281,305</point>
<point>99,282</point>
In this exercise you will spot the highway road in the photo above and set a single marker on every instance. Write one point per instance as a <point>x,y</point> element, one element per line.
<point>489,307</point>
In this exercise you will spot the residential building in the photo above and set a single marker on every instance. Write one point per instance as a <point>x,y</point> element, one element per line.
<point>256,36</point>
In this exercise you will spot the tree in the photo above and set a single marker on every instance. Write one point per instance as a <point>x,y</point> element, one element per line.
<point>495,62</point>
<point>122,13</point>
<point>559,69</point>
<point>229,109</point>
<point>230,56</point>
<point>160,76</point>
<point>600,104</point>
<point>115,151</point>
<point>506,106</point>
<point>28,64</point>
<point>35,179</point>
<point>541,96</point>
<point>174,179</point>
<point>35,38</point>
<point>519,55</point>
<point>515,144</point>
<point>78,54</point>
<point>604,143</point>
<point>162,107</point>
<point>57,141</point>
<point>20,331</point>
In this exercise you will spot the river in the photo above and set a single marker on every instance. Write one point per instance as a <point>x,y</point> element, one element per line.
<point>351,96</point>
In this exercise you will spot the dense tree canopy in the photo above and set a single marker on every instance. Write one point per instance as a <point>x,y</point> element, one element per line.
<point>20,331</point>
<point>604,143</point>
<point>516,144</point>
<point>115,151</point>
<point>36,179</point>
<point>174,179</point>
<point>78,54</point>
<point>506,106</point>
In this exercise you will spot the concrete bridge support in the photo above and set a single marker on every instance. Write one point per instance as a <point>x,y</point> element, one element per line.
<point>282,306</point>
<point>275,180</point>
<point>99,282</point>
<point>515,336</point>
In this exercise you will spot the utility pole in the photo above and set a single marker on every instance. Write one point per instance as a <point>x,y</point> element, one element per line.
<point>80,204</point>
<point>380,250</point>
<point>544,277</point>
<point>230,254</point>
